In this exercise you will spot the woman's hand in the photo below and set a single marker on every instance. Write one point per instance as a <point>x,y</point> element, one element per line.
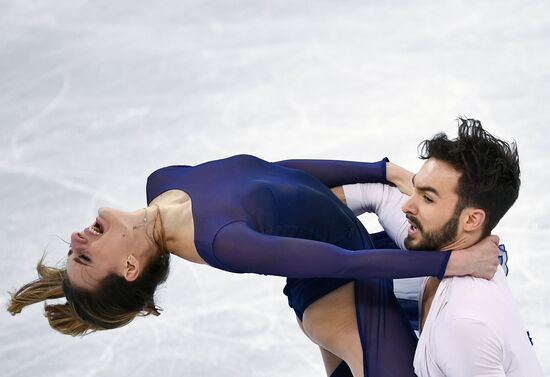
<point>479,260</point>
<point>400,177</point>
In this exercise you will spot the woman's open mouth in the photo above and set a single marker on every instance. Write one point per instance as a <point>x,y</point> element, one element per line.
<point>96,228</point>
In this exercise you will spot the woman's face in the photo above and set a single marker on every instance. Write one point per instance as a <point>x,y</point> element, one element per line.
<point>115,243</point>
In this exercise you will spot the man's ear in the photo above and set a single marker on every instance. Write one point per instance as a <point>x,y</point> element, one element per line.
<point>131,268</point>
<point>473,219</point>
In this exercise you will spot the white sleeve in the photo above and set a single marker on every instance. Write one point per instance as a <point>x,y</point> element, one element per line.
<point>468,347</point>
<point>385,201</point>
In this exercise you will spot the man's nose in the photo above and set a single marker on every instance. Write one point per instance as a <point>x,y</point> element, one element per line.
<point>409,206</point>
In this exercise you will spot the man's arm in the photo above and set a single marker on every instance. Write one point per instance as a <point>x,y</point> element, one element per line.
<point>381,199</point>
<point>385,201</point>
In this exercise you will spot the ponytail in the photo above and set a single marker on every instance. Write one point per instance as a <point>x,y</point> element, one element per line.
<point>115,303</point>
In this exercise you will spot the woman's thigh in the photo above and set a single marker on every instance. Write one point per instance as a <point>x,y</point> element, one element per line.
<point>383,343</point>
<point>331,323</point>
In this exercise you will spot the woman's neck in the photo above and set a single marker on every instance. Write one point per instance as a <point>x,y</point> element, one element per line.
<point>174,207</point>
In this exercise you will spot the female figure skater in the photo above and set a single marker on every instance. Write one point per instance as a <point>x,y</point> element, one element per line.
<point>239,214</point>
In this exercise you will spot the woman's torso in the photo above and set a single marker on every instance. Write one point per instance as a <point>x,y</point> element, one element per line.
<point>271,199</point>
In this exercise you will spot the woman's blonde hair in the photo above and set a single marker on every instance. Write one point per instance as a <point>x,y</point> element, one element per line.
<point>115,303</point>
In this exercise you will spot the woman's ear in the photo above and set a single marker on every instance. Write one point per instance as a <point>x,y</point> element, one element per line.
<point>474,219</point>
<point>131,268</point>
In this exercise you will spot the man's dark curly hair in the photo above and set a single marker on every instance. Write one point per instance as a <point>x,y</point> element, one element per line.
<point>489,169</point>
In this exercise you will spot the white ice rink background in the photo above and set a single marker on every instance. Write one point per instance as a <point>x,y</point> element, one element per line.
<point>95,95</point>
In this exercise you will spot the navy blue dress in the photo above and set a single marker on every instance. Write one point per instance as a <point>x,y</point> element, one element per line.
<point>252,216</point>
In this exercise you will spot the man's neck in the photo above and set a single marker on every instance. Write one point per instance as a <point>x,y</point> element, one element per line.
<point>430,288</point>
<point>463,241</point>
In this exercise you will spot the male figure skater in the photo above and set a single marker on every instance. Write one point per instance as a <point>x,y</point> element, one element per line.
<point>469,326</point>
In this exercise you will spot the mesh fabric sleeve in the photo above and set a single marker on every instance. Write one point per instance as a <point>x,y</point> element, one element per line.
<point>337,173</point>
<point>239,248</point>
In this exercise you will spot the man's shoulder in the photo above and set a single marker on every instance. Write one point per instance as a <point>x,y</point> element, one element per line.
<point>475,298</point>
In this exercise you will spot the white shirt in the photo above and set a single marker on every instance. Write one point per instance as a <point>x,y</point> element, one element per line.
<point>473,327</point>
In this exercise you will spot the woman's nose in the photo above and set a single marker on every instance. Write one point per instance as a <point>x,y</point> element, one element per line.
<point>77,241</point>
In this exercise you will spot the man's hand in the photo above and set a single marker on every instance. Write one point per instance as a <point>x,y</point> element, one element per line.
<point>479,260</point>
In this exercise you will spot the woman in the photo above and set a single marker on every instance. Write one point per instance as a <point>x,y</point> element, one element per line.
<point>239,214</point>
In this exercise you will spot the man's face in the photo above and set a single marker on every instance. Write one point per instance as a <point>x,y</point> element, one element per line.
<point>432,208</point>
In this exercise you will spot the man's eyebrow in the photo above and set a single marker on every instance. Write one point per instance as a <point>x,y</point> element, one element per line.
<point>425,188</point>
<point>428,189</point>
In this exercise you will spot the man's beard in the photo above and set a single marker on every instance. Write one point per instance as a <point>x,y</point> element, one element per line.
<point>437,239</point>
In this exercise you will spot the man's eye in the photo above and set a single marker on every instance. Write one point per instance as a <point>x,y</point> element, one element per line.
<point>427,199</point>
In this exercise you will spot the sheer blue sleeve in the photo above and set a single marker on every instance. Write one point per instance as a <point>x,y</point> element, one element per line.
<point>337,173</point>
<point>239,248</point>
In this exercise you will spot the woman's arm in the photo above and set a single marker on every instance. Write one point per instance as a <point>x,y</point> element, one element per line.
<point>337,173</point>
<point>239,248</point>
<point>400,177</point>
<point>387,201</point>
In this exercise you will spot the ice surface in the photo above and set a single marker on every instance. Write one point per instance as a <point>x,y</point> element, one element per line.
<point>94,95</point>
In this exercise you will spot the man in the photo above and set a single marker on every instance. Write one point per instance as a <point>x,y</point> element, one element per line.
<point>470,326</point>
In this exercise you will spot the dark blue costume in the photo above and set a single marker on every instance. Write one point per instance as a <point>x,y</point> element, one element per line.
<point>282,219</point>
